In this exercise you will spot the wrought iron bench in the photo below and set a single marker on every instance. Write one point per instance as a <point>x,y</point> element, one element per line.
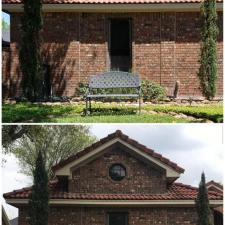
<point>113,80</point>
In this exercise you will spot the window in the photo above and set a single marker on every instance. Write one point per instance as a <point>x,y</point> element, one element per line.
<point>117,172</point>
<point>63,183</point>
<point>118,218</point>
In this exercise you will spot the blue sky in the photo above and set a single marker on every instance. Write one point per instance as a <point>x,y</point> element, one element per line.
<point>6,17</point>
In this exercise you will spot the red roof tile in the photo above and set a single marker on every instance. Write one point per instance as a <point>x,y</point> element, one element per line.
<point>107,1</point>
<point>215,184</point>
<point>119,134</point>
<point>176,191</point>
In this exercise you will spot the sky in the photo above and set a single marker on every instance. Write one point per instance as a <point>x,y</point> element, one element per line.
<point>6,17</point>
<point>194,147</point>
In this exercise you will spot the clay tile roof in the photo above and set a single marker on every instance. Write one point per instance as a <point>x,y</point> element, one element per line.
<point>107,1</point>
<point>119,134</point>
<point>176,191</point>
<point>213,183</point>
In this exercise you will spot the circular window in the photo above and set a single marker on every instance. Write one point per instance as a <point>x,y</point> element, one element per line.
<point>117,172</point>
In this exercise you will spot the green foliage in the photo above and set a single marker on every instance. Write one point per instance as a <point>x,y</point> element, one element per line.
<point>10,133</point>
<point>202,204</point>
<point>59,142</point>
<point>81,89</point>
<point>5,25</point>
<point>149,90</point>
<point>152,91</point>
<point>39,198</point>
<point>208,62</point>
<point>30,59</point>
<point>212,112</point>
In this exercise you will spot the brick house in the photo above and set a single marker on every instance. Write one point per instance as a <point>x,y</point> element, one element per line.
<point>218,211</point>
<point>117,181</point>
<point>158,39</point>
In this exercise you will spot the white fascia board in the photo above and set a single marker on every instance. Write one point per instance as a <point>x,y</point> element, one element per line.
<point>168,7</point>
<point>66,170</point>
<point>128,203</point>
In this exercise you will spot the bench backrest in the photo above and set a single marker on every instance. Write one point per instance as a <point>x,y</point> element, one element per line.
<point>115,79</point>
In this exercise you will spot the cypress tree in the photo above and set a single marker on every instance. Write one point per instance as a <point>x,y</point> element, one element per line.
<point>208,61</point>
<point>39,197</point>
<point>30,60</point>
<point>202,204</point>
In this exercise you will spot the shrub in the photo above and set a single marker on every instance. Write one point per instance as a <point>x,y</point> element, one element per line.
<point>208,62</point>
<point>152,91</point>
<point>81,89</point>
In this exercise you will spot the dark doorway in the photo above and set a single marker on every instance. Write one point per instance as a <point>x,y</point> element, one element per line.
<point>218,216</point>
<point>47,84</point>
<point>117,218</point>
<point>120,45</point>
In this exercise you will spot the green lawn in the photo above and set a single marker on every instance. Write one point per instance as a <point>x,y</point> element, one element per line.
<point>106,113</point>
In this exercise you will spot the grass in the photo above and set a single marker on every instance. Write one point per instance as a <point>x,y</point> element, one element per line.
<point>106,113</point>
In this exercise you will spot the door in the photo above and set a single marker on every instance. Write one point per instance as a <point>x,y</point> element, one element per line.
<point>117,218</point>
<point>120,45</point>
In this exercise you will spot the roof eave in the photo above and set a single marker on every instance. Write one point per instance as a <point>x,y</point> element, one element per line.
<point>121,203</point>
<point>113,7</point>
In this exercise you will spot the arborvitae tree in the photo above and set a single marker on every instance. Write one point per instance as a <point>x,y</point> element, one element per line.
<point>39,197</point>
<point>208,62</point>
<point>202,204</point>
<point>30,60</point>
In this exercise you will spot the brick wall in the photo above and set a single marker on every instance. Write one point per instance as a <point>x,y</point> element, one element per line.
<point>94,176</point>
<point>165,49</point>
<point>98,216</point>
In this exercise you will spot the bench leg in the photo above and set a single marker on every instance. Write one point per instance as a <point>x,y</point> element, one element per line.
<point>90,105</point>
<point>139,105</point>
<point>86,107</point>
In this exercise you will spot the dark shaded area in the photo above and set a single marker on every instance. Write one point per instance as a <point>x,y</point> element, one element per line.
<point>218,217</point>
<point>120,45</point>
<point>63,183</point>
<point>47,89</point>
<point>5,44</point>
<point>14,221</point>
<point>118,218</point>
